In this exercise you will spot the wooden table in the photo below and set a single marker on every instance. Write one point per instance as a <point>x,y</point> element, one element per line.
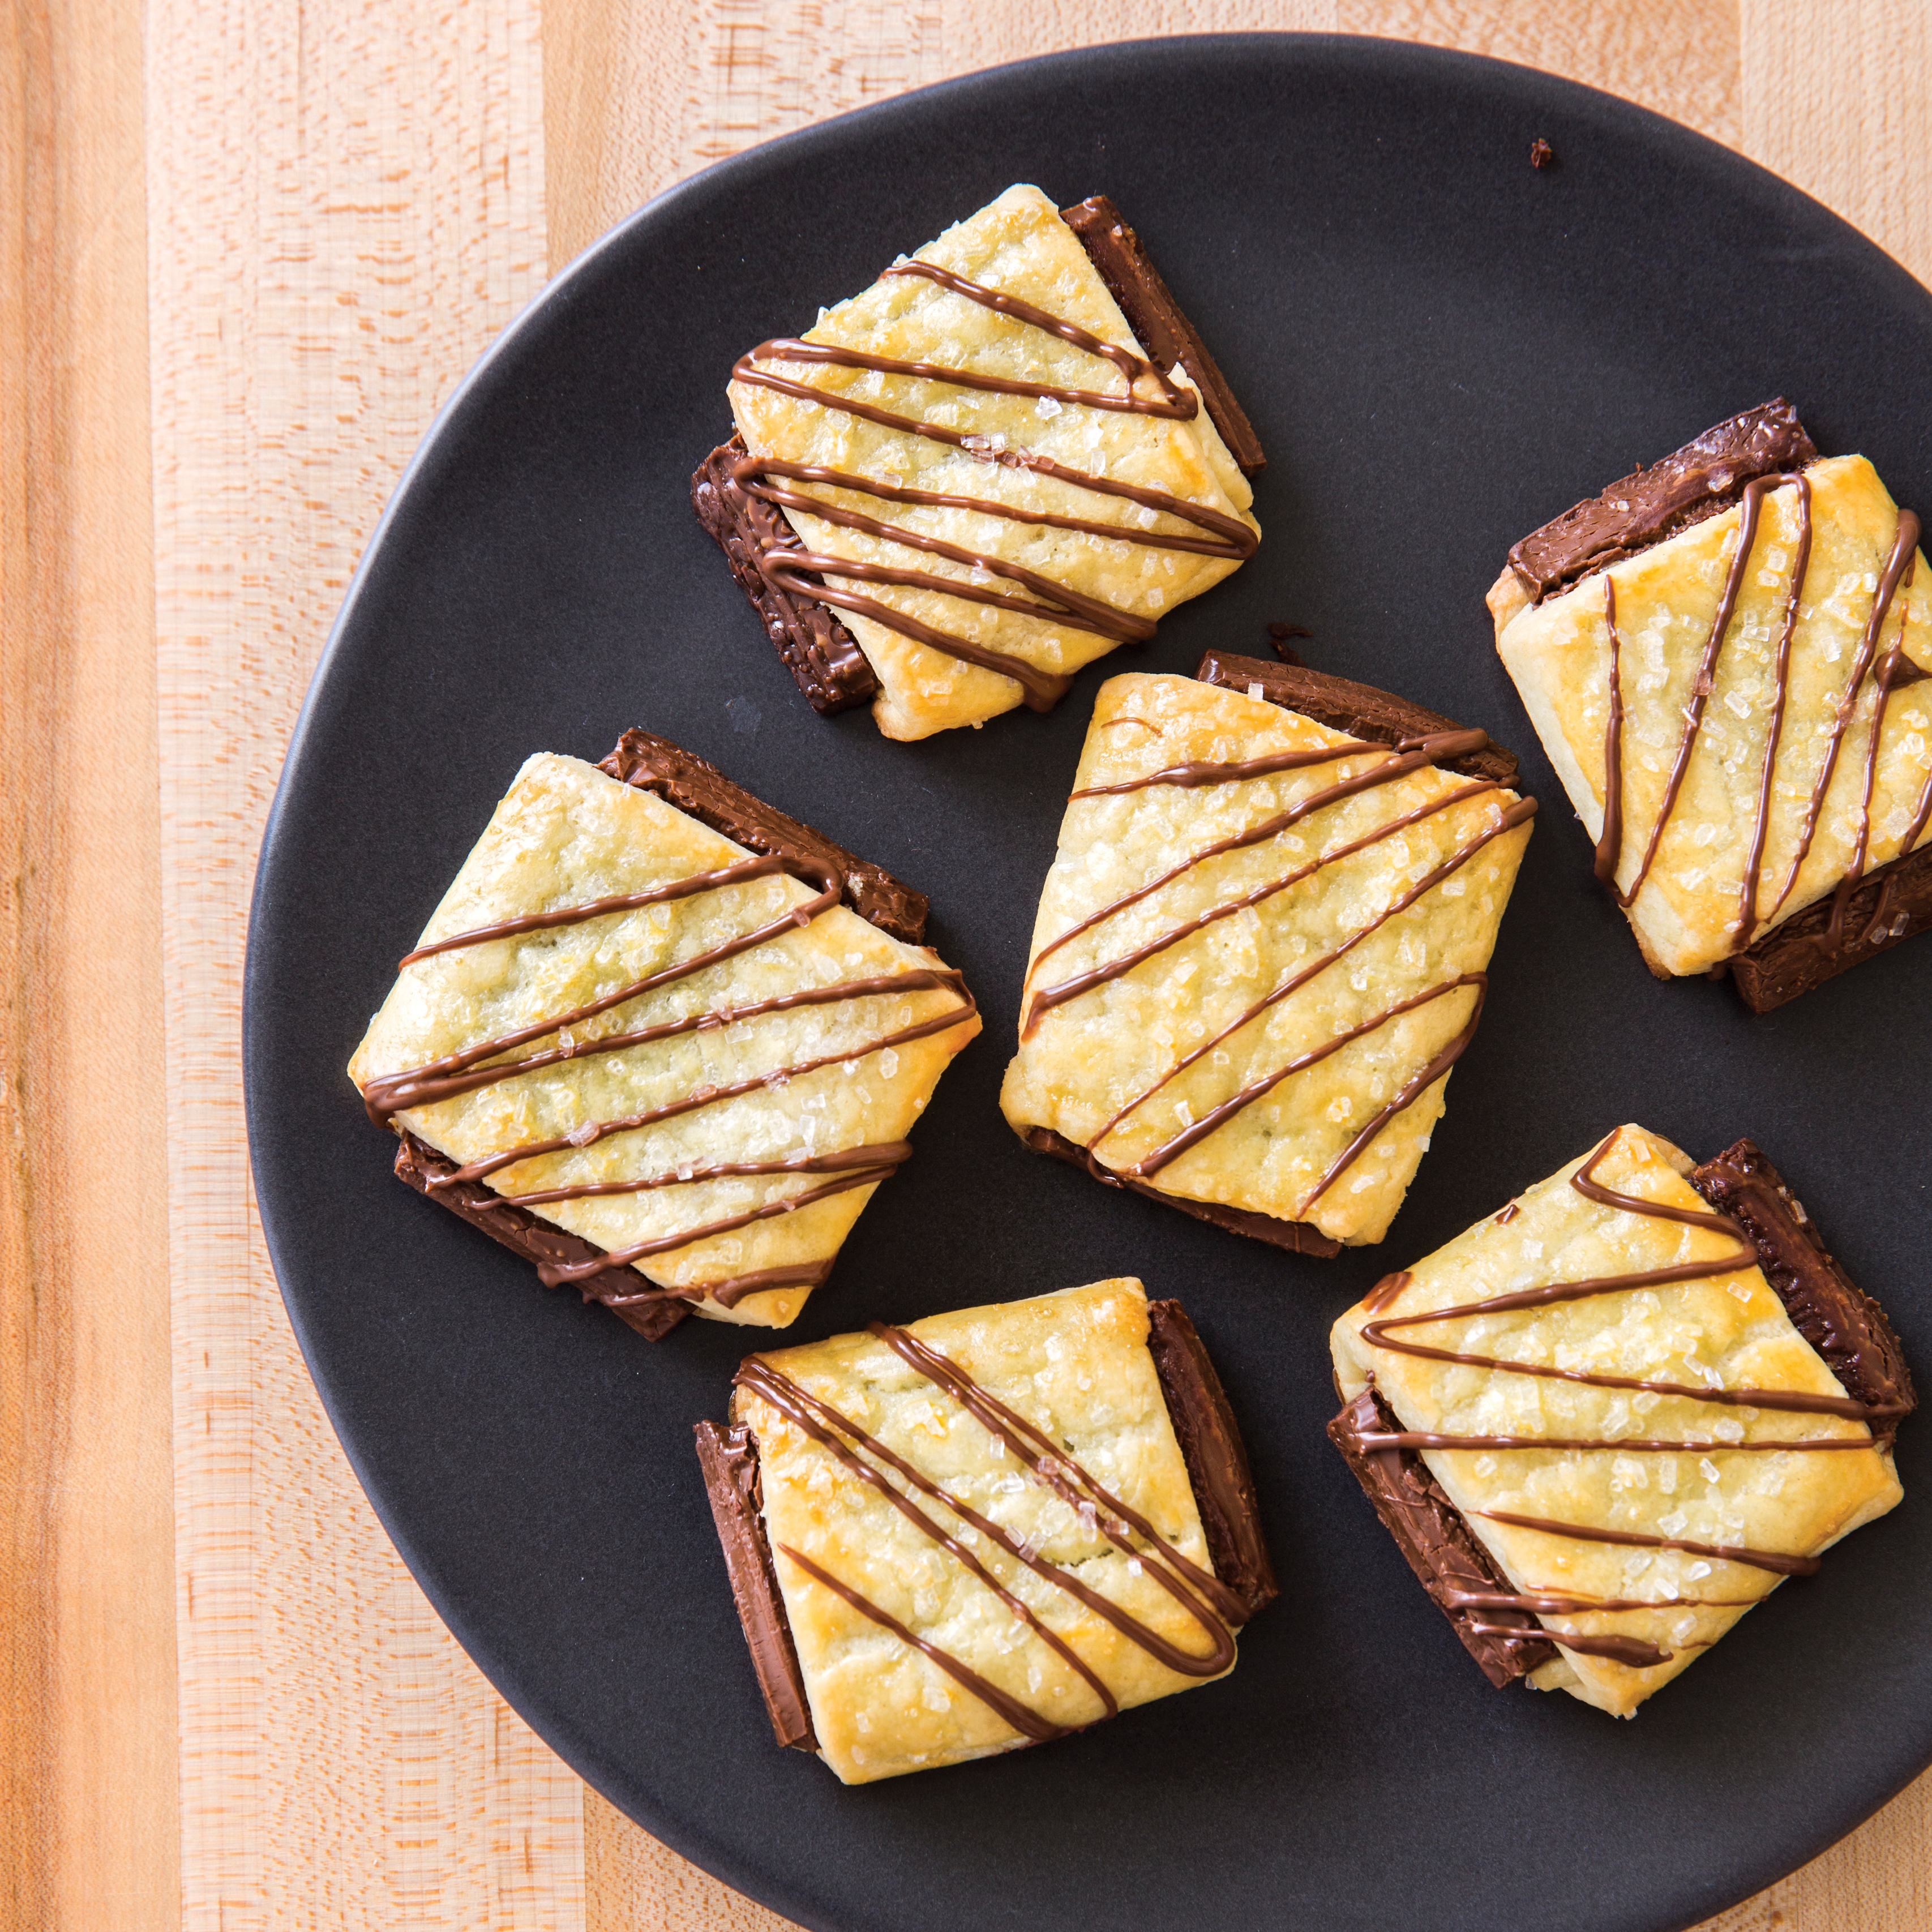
<point>249,245</point>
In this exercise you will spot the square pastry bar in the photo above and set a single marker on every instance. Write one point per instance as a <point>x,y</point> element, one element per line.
<point>1262,946</point>
<point>1722,654</point>
<point>1604,1423</point>
<point>661,1039</point>
<point>984,1530</point>
<point>1009,454</point>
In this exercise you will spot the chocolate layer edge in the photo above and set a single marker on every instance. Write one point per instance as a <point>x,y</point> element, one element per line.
<point>1706,475</point>
<point>1216,1459</point>
<point>1890,903</point>
<point>1296,1237</point>
<point>1839,1319</point>
<point>729,1458</point>
<point>701,791</point>
<point>822,655</point>
<point>1435,1540</point>
<point>1344,705</point>
<point>418,1164</point>
<point>1158,322</point>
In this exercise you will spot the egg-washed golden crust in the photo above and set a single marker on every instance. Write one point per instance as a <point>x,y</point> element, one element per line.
<point>1687,911</point>
<point>1076,1366</point>
<point>1169,1033</point>
<point>566,834</point>
<point>1726,1331</point>
<point>1019,245</point>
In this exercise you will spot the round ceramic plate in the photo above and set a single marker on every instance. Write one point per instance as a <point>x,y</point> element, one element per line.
<point>1441,347</point>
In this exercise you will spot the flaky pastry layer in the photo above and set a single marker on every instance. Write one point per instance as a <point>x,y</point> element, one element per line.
<point>1017,245</point>
<point>1169,1033</point>
<point>1686,914</point>
<point>1076,1365</point>
<point>1725,1331</point>
<point>565,835</point>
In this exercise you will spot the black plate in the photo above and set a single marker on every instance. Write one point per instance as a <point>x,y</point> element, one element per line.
<point>1441,347</point>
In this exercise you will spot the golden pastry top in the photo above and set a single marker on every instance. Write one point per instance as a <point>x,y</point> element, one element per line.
<point>1608,1313</point>
<point>1005,495</point>
<point>1243,990</point>
<point>603,1071</point>
<point>1035,1435</point>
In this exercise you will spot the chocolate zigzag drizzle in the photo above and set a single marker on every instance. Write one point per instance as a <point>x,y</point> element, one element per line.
<point>1893,671</point>
<point>800,572</point>
<point>1410,756</point>
<point>479,1066</point>
<point>1747,1253</point>
<point>1208,1601</point>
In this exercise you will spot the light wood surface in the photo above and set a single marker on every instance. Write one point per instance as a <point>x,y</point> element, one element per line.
<point>88,1711</point>
<point>235,281</point>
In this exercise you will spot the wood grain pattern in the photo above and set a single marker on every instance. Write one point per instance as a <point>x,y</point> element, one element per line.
<point>87,1761</point>
<point>347,204</point>
<point>1833,98</point>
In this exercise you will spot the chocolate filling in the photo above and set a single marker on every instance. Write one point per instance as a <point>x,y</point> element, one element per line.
<point>729,1458</point>
<point>1158,322</point>
<point>1844,1323</point>
<point>521,1231</point>
<point>1342,705</point>
<point>698,789</point>
<point>1298,1238</point>
<point>1836,1316</point>
<point>1211,1446</point>
<point>821,654</point>
<point>1706,475</point>
<point>1437,1543</point>
<point>1890,903</point>
<point>1217,1462</point>
<point>816,646</point>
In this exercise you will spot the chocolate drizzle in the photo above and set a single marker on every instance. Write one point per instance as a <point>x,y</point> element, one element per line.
<point>1750,506</point>
<point>1773,1232</point>
<point>835,875</point>
<point>1218,1610</point>
<point>801,573</point>
<point>1408,758</point>
<point>1627,519</point>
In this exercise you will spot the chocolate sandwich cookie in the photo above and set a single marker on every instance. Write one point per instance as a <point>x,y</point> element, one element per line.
<point>1009,455</point>
<point>850,1465</point>
<point>1594,1474</point>
<point>662,1038</point>
<point>1251,978</point>
<point>1720,653</point>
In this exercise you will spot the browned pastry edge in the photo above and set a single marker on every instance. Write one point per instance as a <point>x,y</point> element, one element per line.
<point>1846,1326</point>
<point>1158,321</point>
<point>1217,1461</point>
<point>1298,1238</point>
<point>1429,1531</point>
<point>1343,705</point>
<point>821,654</point>
<point>1842,1322</point>
<point>820,651</point>
<point>1801,952</point>
<point>700,789</point>
<point>730,1461</point>
<point>1706,475</point>
<point>1210,1446</point>
<point>536,1240</point>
